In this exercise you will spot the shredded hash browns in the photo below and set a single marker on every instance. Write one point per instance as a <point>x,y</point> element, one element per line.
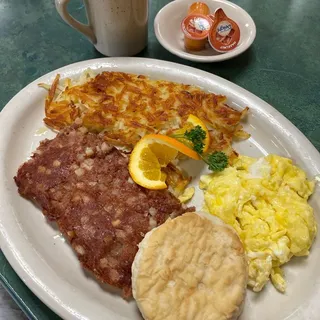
<point>127,106</point>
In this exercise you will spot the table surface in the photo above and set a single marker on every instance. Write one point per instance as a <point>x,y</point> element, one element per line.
<point>282,67</point>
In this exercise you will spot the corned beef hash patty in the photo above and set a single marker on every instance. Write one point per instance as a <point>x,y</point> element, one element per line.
<point>83,184</point>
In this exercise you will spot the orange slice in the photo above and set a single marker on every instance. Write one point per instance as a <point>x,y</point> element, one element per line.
<point>192,122</point>
<point>150,154</point>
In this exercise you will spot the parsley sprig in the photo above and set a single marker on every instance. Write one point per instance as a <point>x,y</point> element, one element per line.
<point>196,136</point>
<point>216,161</point>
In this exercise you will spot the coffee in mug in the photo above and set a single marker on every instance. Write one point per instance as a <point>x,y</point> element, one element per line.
<point>115,27</point>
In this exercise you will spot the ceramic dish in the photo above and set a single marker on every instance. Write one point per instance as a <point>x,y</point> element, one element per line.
<point>48,265</point>
<point>168,32</point>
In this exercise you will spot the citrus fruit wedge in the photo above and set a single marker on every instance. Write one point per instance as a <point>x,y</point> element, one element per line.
<point>150,154</point>
<point>191,123</point>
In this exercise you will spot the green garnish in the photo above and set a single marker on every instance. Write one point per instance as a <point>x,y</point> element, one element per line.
<point>217,161</point>
<point>196,136</point>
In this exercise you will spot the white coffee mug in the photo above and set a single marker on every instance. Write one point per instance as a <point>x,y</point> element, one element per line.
<point>115,27</point>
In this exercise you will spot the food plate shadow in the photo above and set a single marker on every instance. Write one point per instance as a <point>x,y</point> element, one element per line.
<point>193,168</point>
<point>53,225</point>
<point>105,287</point>
<point>229,69</point>
<point>300,262</point>
<point>258,297</point>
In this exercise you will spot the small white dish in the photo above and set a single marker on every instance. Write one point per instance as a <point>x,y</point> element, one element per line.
<point>168,32</point>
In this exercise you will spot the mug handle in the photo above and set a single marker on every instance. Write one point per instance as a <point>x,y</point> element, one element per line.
<point>61,6</point>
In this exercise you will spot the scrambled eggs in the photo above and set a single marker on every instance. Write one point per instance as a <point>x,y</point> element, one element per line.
<point>186,195</point>
<point>265,200</point>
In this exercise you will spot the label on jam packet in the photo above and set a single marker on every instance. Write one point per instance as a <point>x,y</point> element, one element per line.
<point>196,26</point>
<point>224,34</point>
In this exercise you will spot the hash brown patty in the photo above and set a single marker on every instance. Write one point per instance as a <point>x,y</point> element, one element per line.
<point>128,106</point>
<point>84,185</point>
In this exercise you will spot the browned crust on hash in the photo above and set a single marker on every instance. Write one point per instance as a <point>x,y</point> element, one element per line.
<point>128,106</point>
<point>83,184</point>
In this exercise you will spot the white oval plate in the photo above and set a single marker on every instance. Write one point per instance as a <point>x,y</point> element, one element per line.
<point>48,265</point>
<point>168,31</point>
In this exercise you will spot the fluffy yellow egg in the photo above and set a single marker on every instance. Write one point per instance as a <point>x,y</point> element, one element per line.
<point>266,201</point>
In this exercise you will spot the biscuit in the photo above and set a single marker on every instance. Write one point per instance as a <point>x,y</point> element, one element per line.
<point>191,267</point>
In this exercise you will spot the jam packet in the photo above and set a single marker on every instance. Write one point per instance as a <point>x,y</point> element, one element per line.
<point>196,28</point>
<point>224,34</point>
<point>199,7</point>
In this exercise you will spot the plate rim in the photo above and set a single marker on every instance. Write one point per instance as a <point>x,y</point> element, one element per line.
<point>14,256</point>
<point>204,59</point>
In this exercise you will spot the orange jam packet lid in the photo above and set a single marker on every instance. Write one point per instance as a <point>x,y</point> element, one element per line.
<point>224,34</point>
<point>196,26</point>
<point>199,7</point>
